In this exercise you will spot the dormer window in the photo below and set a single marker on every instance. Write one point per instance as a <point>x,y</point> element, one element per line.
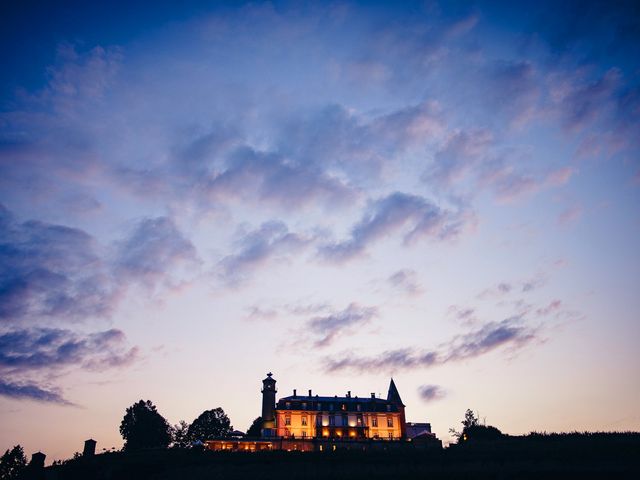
<point>358,407</point>
<point>288,405</point>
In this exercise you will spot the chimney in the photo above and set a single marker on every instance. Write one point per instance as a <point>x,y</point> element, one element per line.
<point>294,392</point>
<point>309,392</point>
<point>373,395</point>
<point>89,448</point>
<point>349,394</point>
<point>37,460</point>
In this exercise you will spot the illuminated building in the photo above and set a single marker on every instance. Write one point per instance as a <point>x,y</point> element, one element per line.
<point>319,423</point>
<point>349,417</point>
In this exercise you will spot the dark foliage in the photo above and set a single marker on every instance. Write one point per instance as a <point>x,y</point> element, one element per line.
<point>255,428</point>
<point>180,435</point>
<point>12,463</point>
<point>579,456</point>
<point>480,433</point>
<point>143,427</point>
<point>210,424</point>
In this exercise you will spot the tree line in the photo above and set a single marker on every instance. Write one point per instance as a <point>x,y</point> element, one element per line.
<point>144,427</point>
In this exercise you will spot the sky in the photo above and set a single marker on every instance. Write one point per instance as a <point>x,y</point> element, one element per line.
<point>195,194</point>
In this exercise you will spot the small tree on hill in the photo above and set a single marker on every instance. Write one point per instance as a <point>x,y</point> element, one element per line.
<point>256,428</point>
<point>470,420</point>
<point>143,427</point>
<point>12,463</point>
<point>180,435</point>
<point>210,424</point>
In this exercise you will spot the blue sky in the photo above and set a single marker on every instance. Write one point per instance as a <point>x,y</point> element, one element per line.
<point>194,195</point>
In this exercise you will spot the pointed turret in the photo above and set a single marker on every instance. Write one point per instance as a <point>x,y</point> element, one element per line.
<point>393,396</point>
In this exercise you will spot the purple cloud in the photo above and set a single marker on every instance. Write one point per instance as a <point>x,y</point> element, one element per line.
<point>51,271</point>
<point>256,247</point>
<point>153,249</point>
<point>406,280</point>
<point>510,333</point>
<point>331,326</point>
<point>415,216</point>
<point>31,391</point>
<point>431,393</point>
<point>34,352</point>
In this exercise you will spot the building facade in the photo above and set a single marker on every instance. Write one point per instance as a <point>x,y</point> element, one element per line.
<point>321,417</point>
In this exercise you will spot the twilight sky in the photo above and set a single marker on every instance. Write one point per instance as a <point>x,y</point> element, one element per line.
<point>192,196</point>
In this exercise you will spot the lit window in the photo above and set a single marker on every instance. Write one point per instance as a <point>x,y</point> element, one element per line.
<point>389,422</point>
<point>344,406</point>
<point>359,421</point>
<point>304,421</point>
<point>374,421</point>
<point>390,435</point>
<point>287,420</point>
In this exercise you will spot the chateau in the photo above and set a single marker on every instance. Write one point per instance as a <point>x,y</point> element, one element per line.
<point>316,423</point>
<point>309,416</point>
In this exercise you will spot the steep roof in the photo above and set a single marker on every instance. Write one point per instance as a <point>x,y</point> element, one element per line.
<point>393,396</point>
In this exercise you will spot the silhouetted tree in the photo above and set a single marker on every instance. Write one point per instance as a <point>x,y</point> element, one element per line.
<point>255,428</point>
<point>470,420</point>
<point>210,424</point>
<point>180,435</point>
<point>12,463</point>
<point>143,427</point>
<point>481,432</point>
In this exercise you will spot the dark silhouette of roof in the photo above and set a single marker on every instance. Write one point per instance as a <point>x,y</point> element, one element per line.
<point>393,396</point>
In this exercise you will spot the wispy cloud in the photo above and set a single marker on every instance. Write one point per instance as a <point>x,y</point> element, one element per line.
<point>511,334</point>
<point>406,280</point>
<point>329,327</point>
<point>35,352</point>
<point>256,247</point>
<point>414,217</point>
<point>31,391</point>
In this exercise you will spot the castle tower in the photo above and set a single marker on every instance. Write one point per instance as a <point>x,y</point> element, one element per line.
<point>268,405</point>
<point>393,396</point>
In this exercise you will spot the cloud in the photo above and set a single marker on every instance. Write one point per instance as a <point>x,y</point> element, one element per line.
<point>406,280</point>
<point>431,393</point>
<point>509,334</point>
<point>51,271</point>
<point>35,352</point>
<point>462,151</point>
<point>154,251</point>
<point>26,350</point>
<point>414,215</point>
<point>256,247</point>
<point>466,316</point>
<point>270,177</point>
<point>552,307</point>
<point>329,327</point>
<point>30,391</point>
